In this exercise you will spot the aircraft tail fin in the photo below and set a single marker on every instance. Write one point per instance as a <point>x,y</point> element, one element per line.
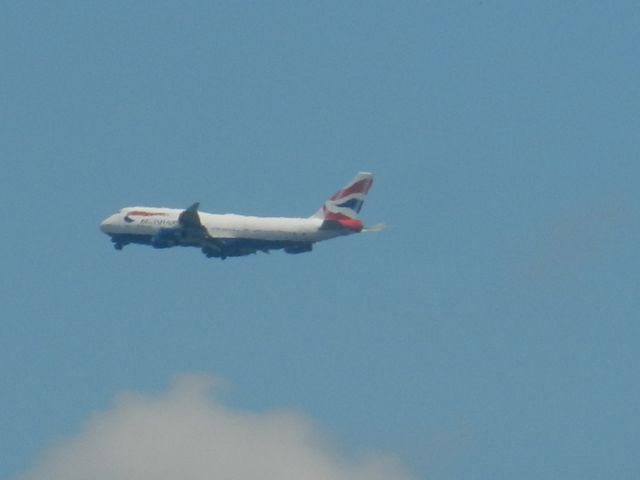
<point>341,210</point>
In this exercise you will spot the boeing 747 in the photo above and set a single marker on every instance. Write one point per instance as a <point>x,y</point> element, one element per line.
<point>230,235</point>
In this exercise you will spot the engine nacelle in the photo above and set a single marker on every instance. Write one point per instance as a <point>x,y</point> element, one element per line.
<point>165,238</point>
<point>298,248</point>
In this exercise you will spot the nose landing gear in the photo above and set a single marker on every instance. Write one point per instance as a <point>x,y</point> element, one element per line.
<point>118,243</point>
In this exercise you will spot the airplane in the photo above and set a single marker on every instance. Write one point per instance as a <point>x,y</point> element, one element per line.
<point>230,235</point>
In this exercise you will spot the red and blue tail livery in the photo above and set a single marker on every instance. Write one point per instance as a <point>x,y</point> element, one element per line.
<point>341,210</point>
<point>230,235</point>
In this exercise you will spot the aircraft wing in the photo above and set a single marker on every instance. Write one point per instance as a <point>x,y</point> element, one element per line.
<point>191,233</point>
<point>188,232</point>
<point>189,219</point>
<point>194,233</point>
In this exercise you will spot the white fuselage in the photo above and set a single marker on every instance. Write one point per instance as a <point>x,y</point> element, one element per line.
<point>148,221</point>
<point>231,235</point>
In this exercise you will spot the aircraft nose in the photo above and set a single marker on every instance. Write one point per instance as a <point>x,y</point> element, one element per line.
<point>106,224</point>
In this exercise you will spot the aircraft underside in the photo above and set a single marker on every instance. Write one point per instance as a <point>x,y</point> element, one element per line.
<point>215,248</point>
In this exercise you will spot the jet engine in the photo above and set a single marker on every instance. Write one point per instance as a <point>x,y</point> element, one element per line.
<point>165,238</point>
<point>298,248</point>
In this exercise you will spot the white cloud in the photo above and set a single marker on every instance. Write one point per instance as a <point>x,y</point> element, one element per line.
<point>189,435</point>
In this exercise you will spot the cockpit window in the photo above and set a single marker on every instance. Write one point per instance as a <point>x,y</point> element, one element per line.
<point>128,219</point>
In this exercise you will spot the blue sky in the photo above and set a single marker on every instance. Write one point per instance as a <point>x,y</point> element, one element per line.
<point>490,332</point>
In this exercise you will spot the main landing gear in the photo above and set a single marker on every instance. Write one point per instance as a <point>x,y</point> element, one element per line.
<point>118,244</point>
<point>211,253</point>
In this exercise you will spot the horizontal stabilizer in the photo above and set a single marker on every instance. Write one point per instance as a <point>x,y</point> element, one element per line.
<point>378,227</point>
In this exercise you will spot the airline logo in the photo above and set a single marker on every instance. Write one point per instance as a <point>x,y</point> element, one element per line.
<point>344,206</point>
<point>360,187</point>
<point>142,213</point>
